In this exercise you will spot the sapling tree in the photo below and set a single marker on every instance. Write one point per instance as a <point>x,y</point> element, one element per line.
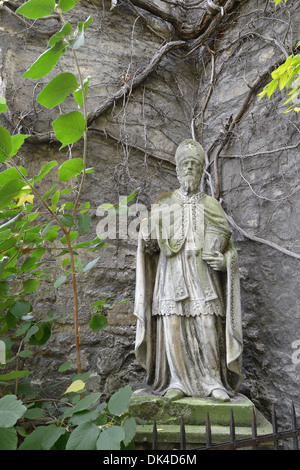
<point>24,236</point>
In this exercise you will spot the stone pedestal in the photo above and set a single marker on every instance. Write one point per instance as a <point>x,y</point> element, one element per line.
<point>167,415</point>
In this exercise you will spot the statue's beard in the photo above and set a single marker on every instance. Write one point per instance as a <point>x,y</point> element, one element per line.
<point>189,183</point>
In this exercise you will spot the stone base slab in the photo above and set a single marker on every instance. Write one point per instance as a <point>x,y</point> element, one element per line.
<point>167,415</point>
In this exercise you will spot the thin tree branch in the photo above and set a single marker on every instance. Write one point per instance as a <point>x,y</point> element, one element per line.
<point>136,80</point>
<point>28,25</point>
<point>266,152</point>
<point>261,240</point>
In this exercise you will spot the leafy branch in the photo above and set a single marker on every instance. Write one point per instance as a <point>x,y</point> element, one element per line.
<point>286,76</point>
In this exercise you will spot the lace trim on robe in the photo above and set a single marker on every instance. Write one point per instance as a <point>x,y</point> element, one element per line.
<point>187,308</point>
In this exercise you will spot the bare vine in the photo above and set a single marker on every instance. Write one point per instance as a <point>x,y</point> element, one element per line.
<point>195,26</point>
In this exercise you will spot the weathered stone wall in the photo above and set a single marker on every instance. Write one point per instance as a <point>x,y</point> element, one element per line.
<point>132,146</point>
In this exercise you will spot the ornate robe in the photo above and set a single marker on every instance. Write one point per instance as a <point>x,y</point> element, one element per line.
<point>188,315</point>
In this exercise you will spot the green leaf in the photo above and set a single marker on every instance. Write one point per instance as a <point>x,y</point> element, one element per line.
<point>83,404</point>
<point>38,252</point>
<point>81,245</point>
<point>25,353</point>
<point>78,93</point>
<point>129,426</point>
<point>45,63</point>
<point>119,401</point>
<point>49,192</point>
<point>34,413</point>
<point>32,330</point>
<point>69,128</point>
<point>98,322</point>
<point>17,142</point>
<point>56,91</point>
<point>59,36</point>
<point>67,220</point>
<point>10,190</point>
<point>41,336</point>
<point>78,41</point>
<point>65,261</point>
<point>91,264</point>
<point>66,5</point>
<point>44,171</point>
<point>262,93</point>
<point>78,264</point>
<point>5,144</point>
<point>65,366</point>
<point>70,168</point>
<point>11,173</point>
<point>23,328</point>
<point>83,25</point>
<point>111,438</point>
<point>85,207</point>
<point>52,435</point>
<point>72,236</point>
<point>55,198</point>
<point>277,73</point>
<point>283,81</point>
<point>34,441</point>
<point>8,439</point>
<point>84,417</point>
<point>20,308</point>
<point>272,87</point>
<point>290,99</point>
<point>84,437</point>
<point>84,223</point>
<point>69,205</point>
<point>35,9</point>
<point>3,105</point>
<point>31,285</point>
<point>42,438</point>
<point>12,376</point>
<point>67,190</point>
<point>11,409</point>
<point>128,198</point>
<point>60,281</point>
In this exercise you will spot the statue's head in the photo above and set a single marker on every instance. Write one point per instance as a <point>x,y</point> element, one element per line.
<point>190,158</point>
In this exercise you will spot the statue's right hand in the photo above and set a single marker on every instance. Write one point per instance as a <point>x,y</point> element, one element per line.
<point>216,261</point>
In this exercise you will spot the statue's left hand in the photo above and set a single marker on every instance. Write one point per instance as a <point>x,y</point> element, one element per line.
<point>216,261</point>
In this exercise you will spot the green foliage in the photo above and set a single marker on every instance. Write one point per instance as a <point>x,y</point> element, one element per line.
<point>278,1</point>
<point>25,236</point>
<point>80,424</point>
<point>286,76</point>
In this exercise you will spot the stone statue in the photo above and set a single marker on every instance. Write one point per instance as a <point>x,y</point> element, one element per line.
<point>187,303</point>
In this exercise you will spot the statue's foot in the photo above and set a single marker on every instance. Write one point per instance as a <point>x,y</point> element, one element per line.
<point>220,395</point>
<point>174,394</point>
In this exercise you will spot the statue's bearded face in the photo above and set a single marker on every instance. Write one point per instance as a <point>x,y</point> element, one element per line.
<point>189,172</point>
